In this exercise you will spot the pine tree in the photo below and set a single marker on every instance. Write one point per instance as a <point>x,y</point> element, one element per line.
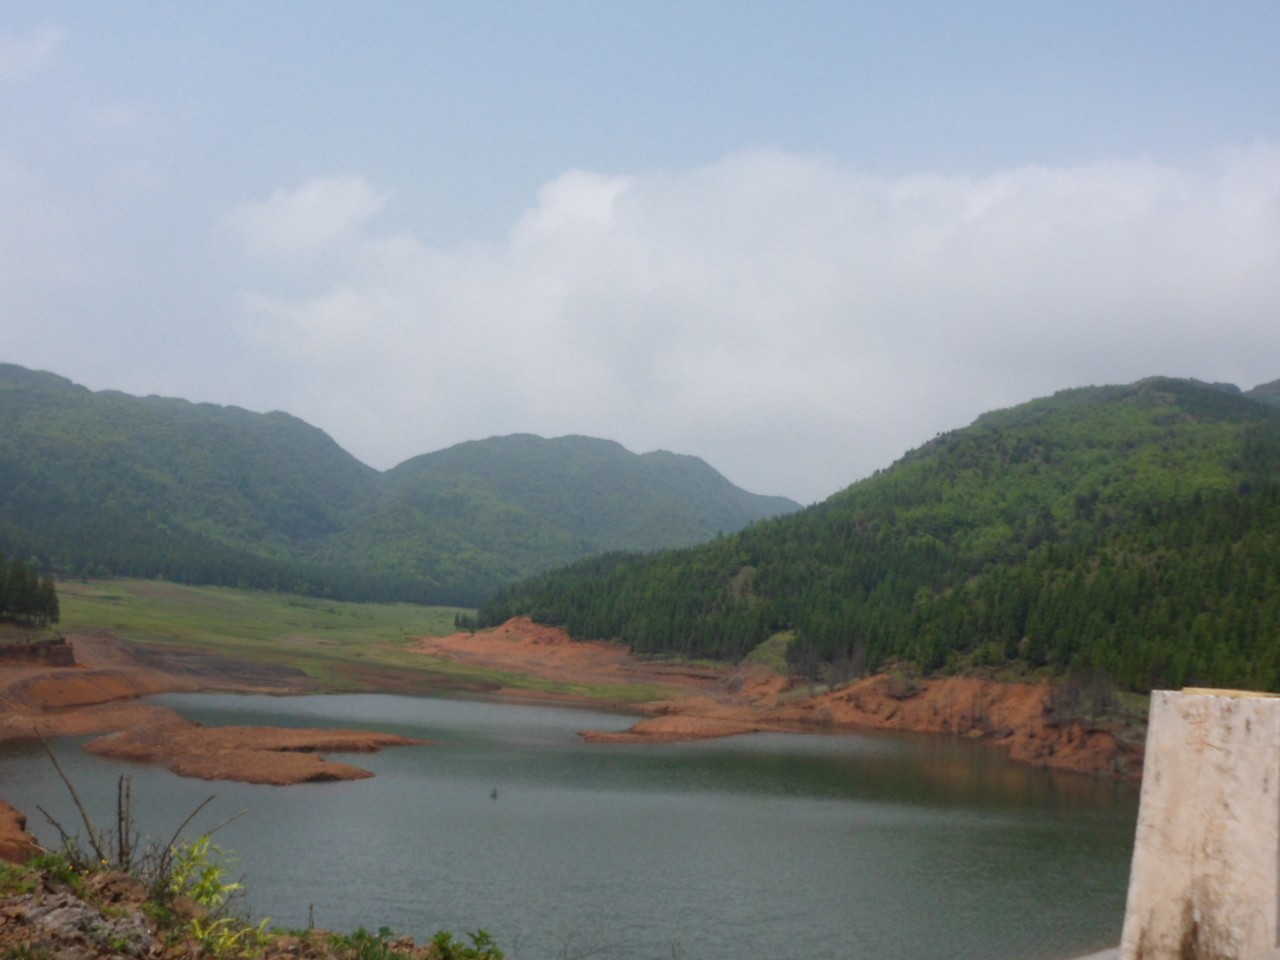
<point>21,593</point>
<point>26,597</point>
<point>47,608</point>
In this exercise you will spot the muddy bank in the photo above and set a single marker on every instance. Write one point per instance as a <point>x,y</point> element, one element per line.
<point>1025,719</point>
<point>99,694</point>
<point>99,691</point>
<point>691,701</point>
<point>1016,717</point>
<point>270,755</point>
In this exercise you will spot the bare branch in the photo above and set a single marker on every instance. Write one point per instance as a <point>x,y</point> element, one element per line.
<point>94,840</point>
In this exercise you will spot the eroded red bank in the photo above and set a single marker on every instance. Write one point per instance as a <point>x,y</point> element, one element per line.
<point>100,694</point>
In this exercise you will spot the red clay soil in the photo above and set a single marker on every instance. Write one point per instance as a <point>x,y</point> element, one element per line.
<point>99,692</point>
<point>99,695</point>
<point>16,845</point>
<point>521,646</point>
<point>247,754</point>
<point>1018,717</point>
<point>706,702</point>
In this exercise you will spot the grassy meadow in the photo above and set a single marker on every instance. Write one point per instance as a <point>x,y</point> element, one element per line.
<point>342,646</point>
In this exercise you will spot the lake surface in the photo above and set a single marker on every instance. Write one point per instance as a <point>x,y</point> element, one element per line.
<point>883,847</point>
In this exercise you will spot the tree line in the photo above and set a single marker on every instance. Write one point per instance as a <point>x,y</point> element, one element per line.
<point>1187,594</point>
<point>25,596</point>
<point>1132,534</point>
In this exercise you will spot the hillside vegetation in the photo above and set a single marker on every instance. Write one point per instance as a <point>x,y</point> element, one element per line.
<point>110,484</point>
<point>1130,531</point>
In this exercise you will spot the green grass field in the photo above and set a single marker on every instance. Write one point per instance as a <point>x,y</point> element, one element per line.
<point>342,646</point>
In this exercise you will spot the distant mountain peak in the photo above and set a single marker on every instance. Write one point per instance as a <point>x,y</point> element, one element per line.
<point>112,483</point>
<point>1266,393</point>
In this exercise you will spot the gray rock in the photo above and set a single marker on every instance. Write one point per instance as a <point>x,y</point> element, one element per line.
<point>72,929</point>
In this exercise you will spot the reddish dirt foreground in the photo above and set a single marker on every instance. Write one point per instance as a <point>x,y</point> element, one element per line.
<point>707,702</point>
<point>100,695</point>
<point>16,845</point>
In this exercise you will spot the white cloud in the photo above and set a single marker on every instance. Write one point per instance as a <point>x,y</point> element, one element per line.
<point>577,202</point>
<point>26,55</point>
<point>794,322</point>
<point>316,217</point>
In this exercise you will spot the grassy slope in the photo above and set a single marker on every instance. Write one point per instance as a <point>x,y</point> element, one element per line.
<point>343,646</point>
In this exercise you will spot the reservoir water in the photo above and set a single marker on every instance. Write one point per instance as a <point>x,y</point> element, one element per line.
<point>875,847</point>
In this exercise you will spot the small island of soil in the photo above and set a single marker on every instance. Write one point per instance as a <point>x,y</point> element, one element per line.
<point>99,694</point>
<point>248,754</point>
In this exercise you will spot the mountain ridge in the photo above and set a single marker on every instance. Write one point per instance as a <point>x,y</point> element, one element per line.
<point>105,482</point>
<point>1131,531</point>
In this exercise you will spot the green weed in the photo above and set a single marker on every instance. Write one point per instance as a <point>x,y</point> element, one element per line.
<point>197,873</point>
<point>482,947</point>
<point>368,946</point>
<point>58,867</point>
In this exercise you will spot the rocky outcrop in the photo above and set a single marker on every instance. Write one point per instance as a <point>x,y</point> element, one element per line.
<point>62,925</point>
<point>108,915</point>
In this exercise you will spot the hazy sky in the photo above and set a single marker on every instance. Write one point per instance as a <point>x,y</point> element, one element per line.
<point>793,238</point>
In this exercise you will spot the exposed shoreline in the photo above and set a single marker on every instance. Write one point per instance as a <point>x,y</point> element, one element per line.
<point>707,701</point>
<point>101,694</point>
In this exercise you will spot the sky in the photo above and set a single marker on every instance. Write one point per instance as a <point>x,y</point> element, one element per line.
<point>796,239</point>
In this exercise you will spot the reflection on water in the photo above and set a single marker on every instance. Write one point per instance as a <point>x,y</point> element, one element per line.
<point>770,845</point>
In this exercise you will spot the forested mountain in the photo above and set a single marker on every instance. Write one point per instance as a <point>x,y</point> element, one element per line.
<point>497,509</point>
<point>1266,392</point>
<point>109,483</point>
<point>1131,531</point>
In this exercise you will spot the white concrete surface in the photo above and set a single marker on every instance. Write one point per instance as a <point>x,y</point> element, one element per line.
<point>1205,879</point>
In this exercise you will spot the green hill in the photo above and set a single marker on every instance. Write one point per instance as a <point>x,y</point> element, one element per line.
<point>496,510</point>
<point>1266,392</point>
<point>97,483</point>
<point>1131,531</point>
